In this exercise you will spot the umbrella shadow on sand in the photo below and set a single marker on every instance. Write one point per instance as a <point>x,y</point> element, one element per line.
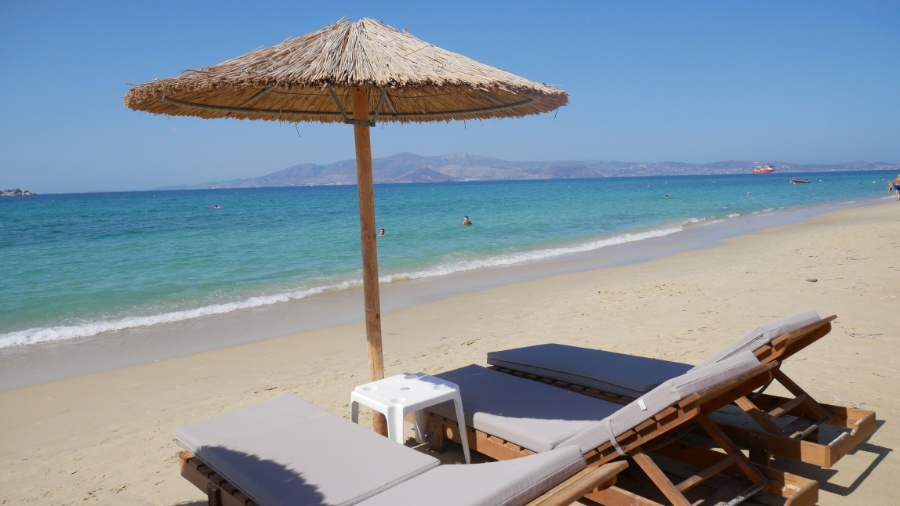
<point>268,474</point>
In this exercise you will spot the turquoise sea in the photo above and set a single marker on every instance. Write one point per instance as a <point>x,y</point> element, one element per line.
<point>79,265</point>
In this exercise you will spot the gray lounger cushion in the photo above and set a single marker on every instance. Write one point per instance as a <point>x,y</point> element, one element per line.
<point>288,451</point>
<point>628,375</point>
<point>764,334</point>
<point>663,396</point>
<point>541,417</point>
<point>506,483</point>
<point>531,414</point>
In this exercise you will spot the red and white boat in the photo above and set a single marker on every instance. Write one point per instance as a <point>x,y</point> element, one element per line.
<point>768,169</point>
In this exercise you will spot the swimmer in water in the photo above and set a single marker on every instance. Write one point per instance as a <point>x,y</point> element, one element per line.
<point>466,221</point>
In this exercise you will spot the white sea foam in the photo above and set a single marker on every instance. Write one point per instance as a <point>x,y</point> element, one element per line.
<point>87,329</point>
<point>91,328</point>
<point>529,256</point>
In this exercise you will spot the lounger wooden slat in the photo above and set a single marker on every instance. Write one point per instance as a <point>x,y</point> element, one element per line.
<point>617,495</point>
<point>707,473</point>
<point>788,406</point>
<point>201,476</point>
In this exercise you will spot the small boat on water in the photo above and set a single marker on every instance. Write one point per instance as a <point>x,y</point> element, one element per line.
<point>795,181</point>
<point>768,169</point>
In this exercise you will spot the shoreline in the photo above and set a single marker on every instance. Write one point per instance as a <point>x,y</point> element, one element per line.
<point>22,366</point>
<point>106,437</point>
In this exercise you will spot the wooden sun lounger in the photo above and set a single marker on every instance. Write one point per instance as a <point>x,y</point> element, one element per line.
<point>656,435</point>
<point>797,440</point>
<point>287,451</point>
<point>222,493</point>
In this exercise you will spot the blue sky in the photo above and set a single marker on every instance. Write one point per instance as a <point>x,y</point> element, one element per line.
<point>700,81</point>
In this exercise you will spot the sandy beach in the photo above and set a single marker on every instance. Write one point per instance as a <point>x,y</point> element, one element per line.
<point>106,438</point>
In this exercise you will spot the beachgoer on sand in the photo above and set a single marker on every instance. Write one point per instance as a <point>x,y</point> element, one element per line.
<point>466,221</point>
<point>897,187</point>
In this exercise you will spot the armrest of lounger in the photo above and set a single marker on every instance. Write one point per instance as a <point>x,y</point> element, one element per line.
<point>589,479</point>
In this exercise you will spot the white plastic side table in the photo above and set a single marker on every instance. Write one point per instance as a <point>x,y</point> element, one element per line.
<point>404,393</point>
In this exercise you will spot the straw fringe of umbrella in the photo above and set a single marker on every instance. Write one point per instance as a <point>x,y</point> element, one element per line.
<point>310,79</point>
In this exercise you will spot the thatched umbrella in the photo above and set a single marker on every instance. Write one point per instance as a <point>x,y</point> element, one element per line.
<point>357,73</point>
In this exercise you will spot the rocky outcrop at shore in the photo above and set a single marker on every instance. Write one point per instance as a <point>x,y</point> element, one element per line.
<point>15,193</point>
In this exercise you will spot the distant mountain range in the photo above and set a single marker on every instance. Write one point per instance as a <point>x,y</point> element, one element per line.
<point>412,168</point>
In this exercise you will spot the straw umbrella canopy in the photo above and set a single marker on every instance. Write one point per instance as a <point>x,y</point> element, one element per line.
<point>357,73</point>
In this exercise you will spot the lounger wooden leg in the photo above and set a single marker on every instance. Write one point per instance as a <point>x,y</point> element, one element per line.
<point>763,419</point>
<point>436,427</point>
<point>731,449</point>
<point>758,445</point>
<point>809,402</point>
<point>214,494</point>
<point>662,481</point>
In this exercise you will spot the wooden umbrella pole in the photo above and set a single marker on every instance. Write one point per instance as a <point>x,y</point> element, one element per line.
<point>366,192</point>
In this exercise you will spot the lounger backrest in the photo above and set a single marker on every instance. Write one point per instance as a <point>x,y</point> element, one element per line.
<point>667,394</point>
<point>505,483</point>
<point>763,334</point>
<point>288,451</point>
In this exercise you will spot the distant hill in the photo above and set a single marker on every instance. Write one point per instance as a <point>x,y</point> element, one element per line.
<point>412,168</point>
